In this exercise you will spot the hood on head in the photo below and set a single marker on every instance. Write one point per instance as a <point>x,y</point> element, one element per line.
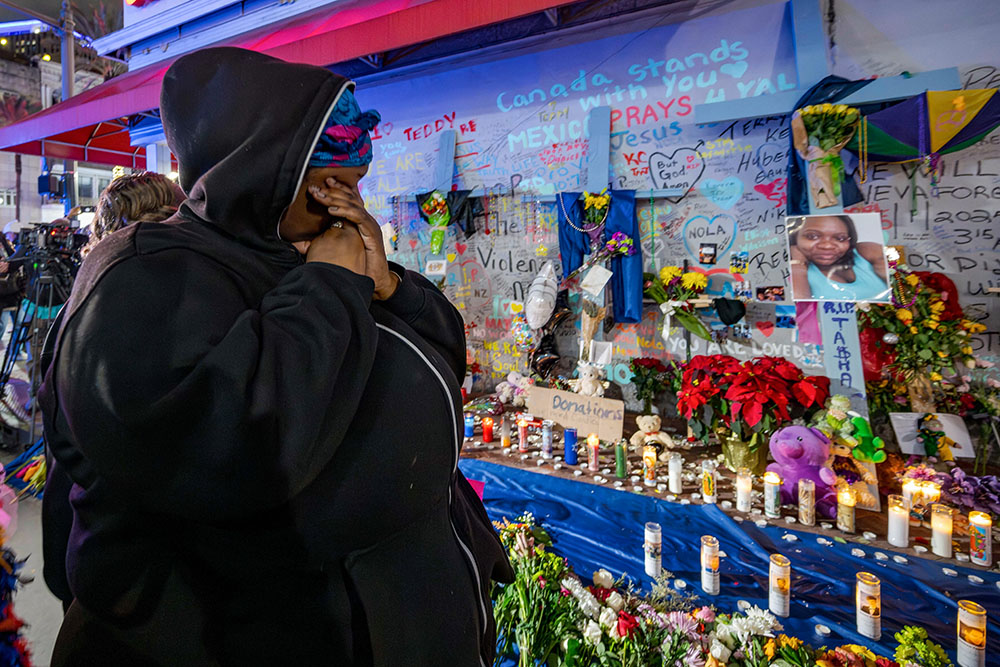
<point>243,125</point>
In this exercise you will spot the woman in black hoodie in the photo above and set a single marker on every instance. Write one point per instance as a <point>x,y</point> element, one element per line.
<point>263,445</point>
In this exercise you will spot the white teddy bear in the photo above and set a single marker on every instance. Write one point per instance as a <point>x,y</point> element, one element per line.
<point>514,390</point>
<point>589,383</point>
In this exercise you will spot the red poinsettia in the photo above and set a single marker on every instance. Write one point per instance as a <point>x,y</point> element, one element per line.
<point>752,398</point>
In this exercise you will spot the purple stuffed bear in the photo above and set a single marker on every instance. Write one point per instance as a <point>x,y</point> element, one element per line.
<point>800,453</point>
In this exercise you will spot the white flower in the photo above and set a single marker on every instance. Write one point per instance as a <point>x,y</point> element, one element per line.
<point>719,650</point>
<point>615,601</point>
<point>590,607</point>
<point>724,633</point>
<point>891,254</point>
<point>609,618</point>
<point>592,633</point>
<point>762,622</point>
<point>864,306</point>
<point>604,579</point>
<point>970,363</point>
<point>837,414</point>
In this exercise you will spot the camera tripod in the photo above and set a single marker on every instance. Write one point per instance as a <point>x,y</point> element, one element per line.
<point>34,326</point>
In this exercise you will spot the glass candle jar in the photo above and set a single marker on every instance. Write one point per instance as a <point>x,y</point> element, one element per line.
<point>941,525</point>
<point>868,600</point>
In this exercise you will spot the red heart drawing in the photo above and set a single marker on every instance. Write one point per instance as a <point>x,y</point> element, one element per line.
<point>766,328</point>
<point>774,191</point>
<point>460,247</point>
<point>413,244</point>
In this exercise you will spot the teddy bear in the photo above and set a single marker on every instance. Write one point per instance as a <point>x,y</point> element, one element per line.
<point>514,390</point>
<point>649,433</point>
<point>801,452</point>
<point>589,383</point>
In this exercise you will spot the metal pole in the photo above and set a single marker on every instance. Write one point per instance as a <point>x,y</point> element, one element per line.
<point>68,56</point>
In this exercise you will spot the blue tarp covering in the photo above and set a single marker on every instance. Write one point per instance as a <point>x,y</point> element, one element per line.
<point>597,527</point>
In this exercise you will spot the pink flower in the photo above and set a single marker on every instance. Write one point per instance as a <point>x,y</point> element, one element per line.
<point>678,620</point>
<point>705,615</point>
<point>564,592</point>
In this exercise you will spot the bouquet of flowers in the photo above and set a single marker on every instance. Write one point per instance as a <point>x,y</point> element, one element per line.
<point>820,132</point>
<point>751,398</point>
<point>924,334</point>
<point>435,210</point>
<point>673,289</point>
<point>619,245</point>
<point>595,208</point>
<point>650,376</point>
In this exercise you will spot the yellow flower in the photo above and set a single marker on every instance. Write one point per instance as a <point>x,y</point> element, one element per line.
<point>935,377</point>
<point>860,651</point>
<point>967,350</point>
<point>913,330</point>
<point>976,327</point>
<point>769,649</point>
<point>937,307</point>
<point>932,323</point>
<point>841,109</point>
<point>789,642</point>
<point>827,107</point>
<point>904,315</point>
<point>912,279</point>
<point>942,354</point>
<point>694,281</point>
<point>668,273</point>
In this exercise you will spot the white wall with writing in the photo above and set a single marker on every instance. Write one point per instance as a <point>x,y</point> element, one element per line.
<point>521,124</point>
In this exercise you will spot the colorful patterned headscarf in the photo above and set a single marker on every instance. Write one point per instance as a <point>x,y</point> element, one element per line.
<point>345,141</point>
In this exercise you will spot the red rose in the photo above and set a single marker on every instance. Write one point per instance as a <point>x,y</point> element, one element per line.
<point>627,624</point>
<point>601,594</point>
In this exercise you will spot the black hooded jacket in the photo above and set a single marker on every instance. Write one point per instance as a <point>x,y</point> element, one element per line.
<point>264,457</point>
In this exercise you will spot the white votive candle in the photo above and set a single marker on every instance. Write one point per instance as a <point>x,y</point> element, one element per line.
<point>846,499</point>
<point>710,565</point>
<point>941,524</point>
<point>899,521</point>
<point>744,487</point>
<point>971,634</point>
<point>868,600</point>
<point>652,547</point>
<point>674,468</point>
<point>779,595</point>
<point>772,495</point>
<point>807,502</point>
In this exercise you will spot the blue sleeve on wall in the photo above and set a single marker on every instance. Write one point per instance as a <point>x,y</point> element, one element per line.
<point>626,283</point>
<point>572,244</point>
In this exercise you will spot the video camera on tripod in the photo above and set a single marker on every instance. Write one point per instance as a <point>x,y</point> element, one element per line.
<point>48,257</point>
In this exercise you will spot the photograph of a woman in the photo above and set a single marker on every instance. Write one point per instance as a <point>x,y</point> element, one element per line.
<point>837,258</point>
